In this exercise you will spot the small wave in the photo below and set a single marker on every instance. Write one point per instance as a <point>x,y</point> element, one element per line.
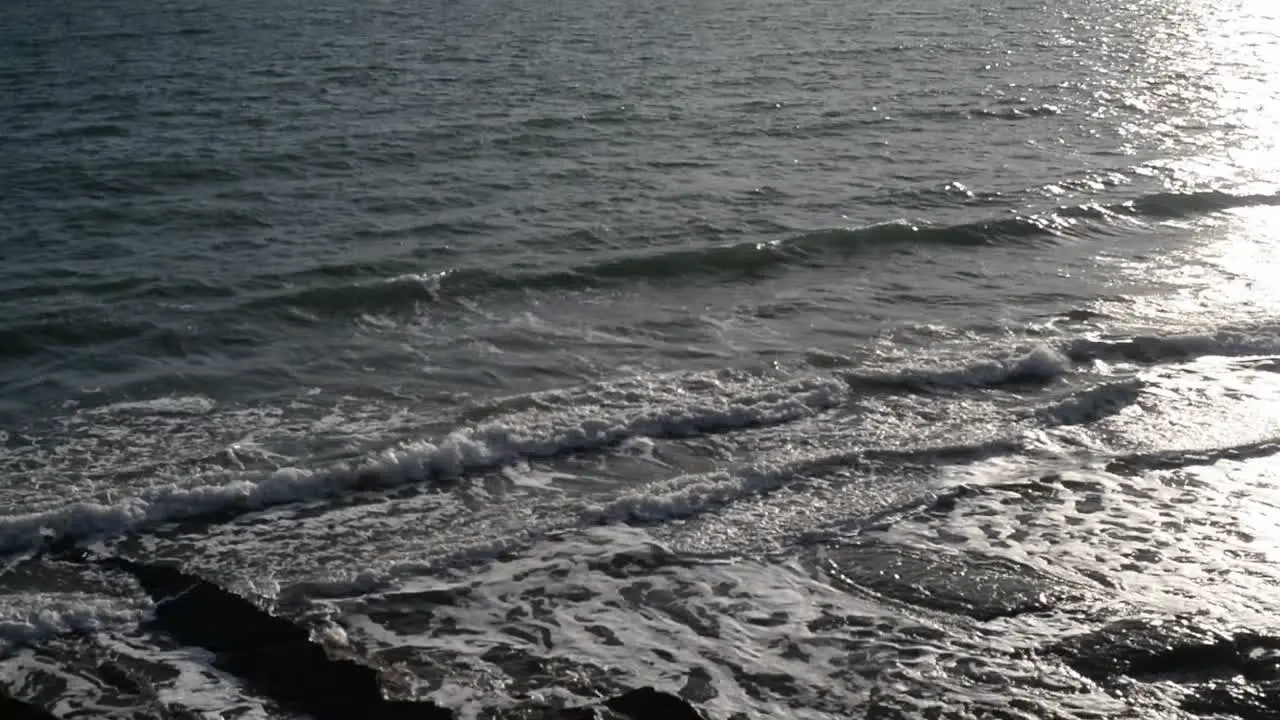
<point>1177,459</point>
<point>1186,204</point>
<point>1160,348</point>
<point>401,291</point>
<point>1093,404</point>
<point>686,496</point>
<point>1042,364</point>
<point>1020,111</point>
<point>746,260</point>
<point>168,405</point>
<point>463,452</point>
<point>740,261</point>
<point>37,336</point>
<point>691,495</point>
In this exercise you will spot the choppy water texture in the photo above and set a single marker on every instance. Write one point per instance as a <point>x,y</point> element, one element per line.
<point>797,359</point>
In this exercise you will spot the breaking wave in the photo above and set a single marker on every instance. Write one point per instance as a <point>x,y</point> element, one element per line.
<point>465,451</point>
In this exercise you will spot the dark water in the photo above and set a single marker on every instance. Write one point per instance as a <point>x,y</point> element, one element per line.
<point>803,359</point>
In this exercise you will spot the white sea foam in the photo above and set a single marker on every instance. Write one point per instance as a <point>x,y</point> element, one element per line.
<point>35,616</point>
<point>689,495</point>
<point>468,450</point>
<point>168,405</point>
<point>1040,364</point>
<point>611,606</point>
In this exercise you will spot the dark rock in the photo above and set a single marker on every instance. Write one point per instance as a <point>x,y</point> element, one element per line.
<point>12,708</point>
<point>948,501</point>
<point>647,703</point>
<point>268,653</point>
<point>204,614</point>
<point>699,686</point>
<point>1236,674</point>
<point>1174,649</point>
<point>119,678</point>
<point>277,658</point>
<point>303,676</point>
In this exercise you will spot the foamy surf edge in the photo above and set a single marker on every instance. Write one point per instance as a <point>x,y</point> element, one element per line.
<point>30,618</point>
<point>470,450</point>
<point>682,497</point>
<point>492,445</point>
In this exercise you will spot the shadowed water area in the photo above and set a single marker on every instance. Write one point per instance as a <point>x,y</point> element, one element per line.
<point>486,359</point>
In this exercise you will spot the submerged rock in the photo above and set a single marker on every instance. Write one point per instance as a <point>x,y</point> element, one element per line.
<point>981,586</point>
<point>1247,701</point>
<point>1235,674</point>
<point>1171,649</point>
<point>202,613</point>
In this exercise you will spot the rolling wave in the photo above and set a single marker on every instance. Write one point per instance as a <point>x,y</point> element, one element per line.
<point>26,339</point>
<point>1154,349</point>
<point>748,260</point>
<point>740,261</point>
<point>1191,204</point>
<point>1045,363</point>
<point>690,495</point>
<point>1178,459</point>
<point>355,289</point>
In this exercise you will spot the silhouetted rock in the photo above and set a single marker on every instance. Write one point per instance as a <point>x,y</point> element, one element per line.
<point>201,613</point>
<point>646,703</point>
<point>12,708</point>
<point>270,654</point>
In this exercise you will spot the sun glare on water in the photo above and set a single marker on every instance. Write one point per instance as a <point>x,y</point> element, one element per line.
<point>1239,61</point>
<point>1210,89</point>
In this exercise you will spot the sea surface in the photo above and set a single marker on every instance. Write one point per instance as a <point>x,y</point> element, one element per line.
<point>822,359</point>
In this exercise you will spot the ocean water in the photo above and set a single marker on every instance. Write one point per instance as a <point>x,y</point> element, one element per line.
<point>805,360</point>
